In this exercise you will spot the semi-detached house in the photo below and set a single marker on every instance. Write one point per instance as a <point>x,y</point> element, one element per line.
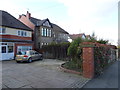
<point>44,32</point>
<point>14,36</point>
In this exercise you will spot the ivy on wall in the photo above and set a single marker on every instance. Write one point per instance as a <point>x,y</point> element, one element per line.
<point>101,58</point>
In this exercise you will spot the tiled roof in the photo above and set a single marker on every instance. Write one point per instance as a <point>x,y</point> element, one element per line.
<point>39,22</point>
<point>74,36</point>
<point>56,27</point>
<point>8,20</point>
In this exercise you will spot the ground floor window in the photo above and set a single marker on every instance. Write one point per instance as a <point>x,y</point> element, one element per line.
<point>6,47</point>
<point>10,49</point>
<point>23,48</point>
<point>3,49</point>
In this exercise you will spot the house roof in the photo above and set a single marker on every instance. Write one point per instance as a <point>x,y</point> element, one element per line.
<point>39,22</point>
<point>56,27</point>
<point>9,21</point>
<point>88,36</point>
<point>74,36</point>
<point>34,20</point>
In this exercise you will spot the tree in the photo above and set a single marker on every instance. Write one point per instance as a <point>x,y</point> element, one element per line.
<point>102,41</point>
<point>73,48</point>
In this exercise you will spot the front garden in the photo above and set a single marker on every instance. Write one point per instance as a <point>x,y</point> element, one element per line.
<point>72,53</point>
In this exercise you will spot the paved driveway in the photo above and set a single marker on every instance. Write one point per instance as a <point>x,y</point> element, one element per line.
<point>38,74</point>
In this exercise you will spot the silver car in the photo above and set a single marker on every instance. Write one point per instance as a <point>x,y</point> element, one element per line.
<point>28,56</point>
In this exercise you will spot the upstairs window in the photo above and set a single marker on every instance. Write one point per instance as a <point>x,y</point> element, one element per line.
<point>42,31</point>
<point>50,33</point>
<point>46,32</point>
<point>2,30</point>
<point>19,33</point>
<point>22,33</point>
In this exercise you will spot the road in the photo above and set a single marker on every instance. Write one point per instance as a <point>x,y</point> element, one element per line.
<point>109,79</point>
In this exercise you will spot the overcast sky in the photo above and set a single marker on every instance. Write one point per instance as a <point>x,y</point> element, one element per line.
<point>74,16</point>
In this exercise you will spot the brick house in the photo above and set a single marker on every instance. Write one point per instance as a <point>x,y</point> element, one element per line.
<point>45,32</point>
<point>14,36</point>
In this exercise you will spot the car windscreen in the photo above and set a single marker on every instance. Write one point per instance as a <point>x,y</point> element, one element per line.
<point>21,53</point>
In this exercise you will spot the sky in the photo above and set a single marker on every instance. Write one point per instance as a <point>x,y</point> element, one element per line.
<point>74,16</point>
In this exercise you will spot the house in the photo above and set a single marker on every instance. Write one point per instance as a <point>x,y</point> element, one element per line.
<point>45,32</point>
<point>88,36</point>
<point>74,36</point>
<point>14,36</point>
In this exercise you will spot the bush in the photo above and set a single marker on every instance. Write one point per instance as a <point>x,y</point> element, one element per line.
<point>72,65</point>
<point>73,48</point>
<point>101,41</point>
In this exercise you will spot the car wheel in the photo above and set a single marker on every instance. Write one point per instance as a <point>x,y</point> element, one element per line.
<point>17,61</point>
<point>41,58</point>
<point>30,60</point>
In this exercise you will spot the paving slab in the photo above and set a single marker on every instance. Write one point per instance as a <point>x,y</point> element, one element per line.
<point>39,74</point>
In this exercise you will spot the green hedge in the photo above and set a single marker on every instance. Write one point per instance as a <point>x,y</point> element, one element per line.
<point>101,57</point>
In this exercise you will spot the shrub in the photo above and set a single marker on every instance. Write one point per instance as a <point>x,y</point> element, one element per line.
<point>102,41</point>
<point>73,48</point>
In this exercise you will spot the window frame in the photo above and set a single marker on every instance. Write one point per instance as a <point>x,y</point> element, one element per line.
<point>22,33</point>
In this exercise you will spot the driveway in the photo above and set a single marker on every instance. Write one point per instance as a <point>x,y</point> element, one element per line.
<point>39,74</point>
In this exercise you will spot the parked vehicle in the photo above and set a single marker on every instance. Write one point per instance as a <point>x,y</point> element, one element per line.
<point>28,56</point>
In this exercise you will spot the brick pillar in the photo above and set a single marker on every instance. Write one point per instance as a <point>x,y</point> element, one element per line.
<point>88,62</point>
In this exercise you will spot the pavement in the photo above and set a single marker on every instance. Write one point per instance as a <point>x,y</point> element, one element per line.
<point>39,74</point>
<point>109,78</point>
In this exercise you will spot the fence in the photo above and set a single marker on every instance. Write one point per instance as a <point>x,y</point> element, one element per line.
<point>56,51</point>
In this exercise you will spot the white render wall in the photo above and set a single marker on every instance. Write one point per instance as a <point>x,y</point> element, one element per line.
<point>12,31</point>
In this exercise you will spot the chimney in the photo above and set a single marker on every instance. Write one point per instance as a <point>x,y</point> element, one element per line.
<point>19,16</point>
<point>28,15</point>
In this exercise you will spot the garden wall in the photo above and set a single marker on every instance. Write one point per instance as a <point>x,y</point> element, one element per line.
<point>96,57</point>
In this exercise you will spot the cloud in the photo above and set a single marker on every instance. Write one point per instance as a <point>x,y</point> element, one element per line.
<point>99,16</point>
<point>85,16</point>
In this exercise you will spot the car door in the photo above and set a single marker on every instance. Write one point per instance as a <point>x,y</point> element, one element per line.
<point>37,55</point>
<point>32,53</point>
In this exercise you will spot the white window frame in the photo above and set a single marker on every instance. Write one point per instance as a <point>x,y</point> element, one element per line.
<point>50,32</point>
<point>42,33</point>
<point>47,32</point>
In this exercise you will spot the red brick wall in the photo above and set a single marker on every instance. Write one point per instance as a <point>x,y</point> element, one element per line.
<point>15,37</point>
<point>88,62</point>
<point>88,57</point>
